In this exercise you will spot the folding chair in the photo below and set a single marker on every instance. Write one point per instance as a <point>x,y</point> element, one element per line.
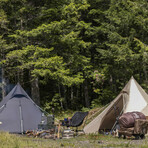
<point>76,120</point>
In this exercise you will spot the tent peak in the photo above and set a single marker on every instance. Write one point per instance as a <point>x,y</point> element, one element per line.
<point>18,83</point>
<point>18,90</point>
<point>132,78</point>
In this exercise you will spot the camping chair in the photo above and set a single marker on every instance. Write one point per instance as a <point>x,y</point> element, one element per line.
<point>76,120</point>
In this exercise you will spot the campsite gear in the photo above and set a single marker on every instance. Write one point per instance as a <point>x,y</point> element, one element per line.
<point>131,98</point>
<point>76,120</point>
<point>68,133</point>
<point>65,119</point>
<point>47,134</point>
<point>127,120</point>
<point>65,122</point>
<point>59,128</point>
<point>18,112</point>
<point>126,131</point>
<point>139,130</point>
<point>141,126</point>
<point>50,119</point>
<point>47,123</point>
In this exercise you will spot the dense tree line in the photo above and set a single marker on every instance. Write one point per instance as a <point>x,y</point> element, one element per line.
<point>72,54</point>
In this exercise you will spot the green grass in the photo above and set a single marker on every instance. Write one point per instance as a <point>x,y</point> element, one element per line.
<point>87,141</point>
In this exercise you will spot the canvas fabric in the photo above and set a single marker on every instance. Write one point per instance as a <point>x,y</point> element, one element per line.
<point>18,113</point>
<point>107,118</point>
<point>127,120</point>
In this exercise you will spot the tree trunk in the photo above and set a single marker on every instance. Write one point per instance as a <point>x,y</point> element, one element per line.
<point>145,70</point>
<point>61,101</point>
<point>65,98</point>
<point>35,93</point>
<point>86,95</point>
<point>3,84</point>
<point>111,82</point>
<point>82,94</point>
<point>72,94</point>
<point>77,95</point>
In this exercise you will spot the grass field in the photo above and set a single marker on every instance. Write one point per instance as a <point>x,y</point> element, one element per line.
<point>86,141</point>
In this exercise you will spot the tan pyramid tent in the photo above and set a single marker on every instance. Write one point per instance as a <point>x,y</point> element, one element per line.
<point>131,98</point>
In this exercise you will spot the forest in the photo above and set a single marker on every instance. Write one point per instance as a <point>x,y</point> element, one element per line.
<point>73,54</point>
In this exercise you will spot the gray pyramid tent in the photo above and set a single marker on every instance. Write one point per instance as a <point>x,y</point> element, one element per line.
<point>18,113</point>
<point>131,98</point>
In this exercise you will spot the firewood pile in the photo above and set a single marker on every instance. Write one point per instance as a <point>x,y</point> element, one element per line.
<point>47,134</point>
<point>46,129</point>
<point>68,133</point>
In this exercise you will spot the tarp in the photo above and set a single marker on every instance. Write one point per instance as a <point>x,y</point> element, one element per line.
<point>131,98</point>
<point>18,112</point>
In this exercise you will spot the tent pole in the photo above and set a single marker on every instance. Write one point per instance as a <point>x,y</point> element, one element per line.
<point>21,119</point>
<point>119,114</point>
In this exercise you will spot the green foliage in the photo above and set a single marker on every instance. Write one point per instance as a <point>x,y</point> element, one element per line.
<point>55,104</point>
<point>65,42</point>
<point>106,96</point>
<point>95,103</point>
<point>98,80</point>
<point>85,109</point>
